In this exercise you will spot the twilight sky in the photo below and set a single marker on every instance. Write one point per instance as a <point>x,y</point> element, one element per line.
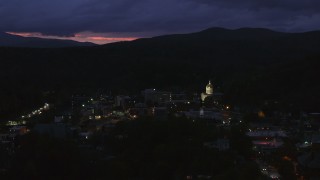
<point>103,21</point>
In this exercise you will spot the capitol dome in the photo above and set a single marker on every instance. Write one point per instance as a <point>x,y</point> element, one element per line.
<point>209,88</point>
<point>209,85</point>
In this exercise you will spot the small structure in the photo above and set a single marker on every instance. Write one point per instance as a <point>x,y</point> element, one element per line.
<point>160,113</point>
<point>220,144</point>
<point>18,130</point>
<point>57,130</point>
<point>267,145</point>
<point>266,133</point>
<point>209,114</point>
<point>153,96</point>
<point>63,116</point>
<point>140,109</point>
<point>122,101</point>
<point>4,137</point>
<point>310,161</point>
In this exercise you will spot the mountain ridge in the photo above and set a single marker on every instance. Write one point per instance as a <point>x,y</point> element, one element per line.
<point>9,40</point>
<point>224,31</point>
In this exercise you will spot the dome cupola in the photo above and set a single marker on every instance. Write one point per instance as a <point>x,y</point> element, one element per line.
<point>209,88</point>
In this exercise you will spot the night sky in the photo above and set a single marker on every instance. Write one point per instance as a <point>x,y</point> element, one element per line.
<point>103,21</point>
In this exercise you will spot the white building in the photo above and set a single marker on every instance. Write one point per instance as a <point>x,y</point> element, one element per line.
<point>208,93</point>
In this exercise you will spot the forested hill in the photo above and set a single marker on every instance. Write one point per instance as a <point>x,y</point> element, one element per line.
<point>215,43</point>
<point>250,65</point>
<point>9,40</point>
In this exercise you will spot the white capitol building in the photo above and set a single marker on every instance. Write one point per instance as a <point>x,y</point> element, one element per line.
<point>208,93</point>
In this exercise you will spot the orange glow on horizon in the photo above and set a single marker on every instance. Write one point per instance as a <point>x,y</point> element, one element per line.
<point>81,37</point>
<point>111,39</point>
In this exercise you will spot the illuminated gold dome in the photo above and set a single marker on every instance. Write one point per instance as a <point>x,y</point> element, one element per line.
<point>209,85</point>
<point>209,88</point>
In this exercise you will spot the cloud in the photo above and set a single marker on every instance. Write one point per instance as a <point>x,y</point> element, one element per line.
<point>142,18</point>
<point>97,38</point>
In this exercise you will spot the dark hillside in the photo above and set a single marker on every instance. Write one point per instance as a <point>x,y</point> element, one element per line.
<point>250,65</point>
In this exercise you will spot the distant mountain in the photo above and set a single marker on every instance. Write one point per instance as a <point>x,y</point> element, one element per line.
<point>215,45</point>
<point>8,40</point>
<point>228,34</point>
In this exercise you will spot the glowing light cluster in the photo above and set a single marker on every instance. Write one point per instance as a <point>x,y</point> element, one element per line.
<point>39,111</point>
